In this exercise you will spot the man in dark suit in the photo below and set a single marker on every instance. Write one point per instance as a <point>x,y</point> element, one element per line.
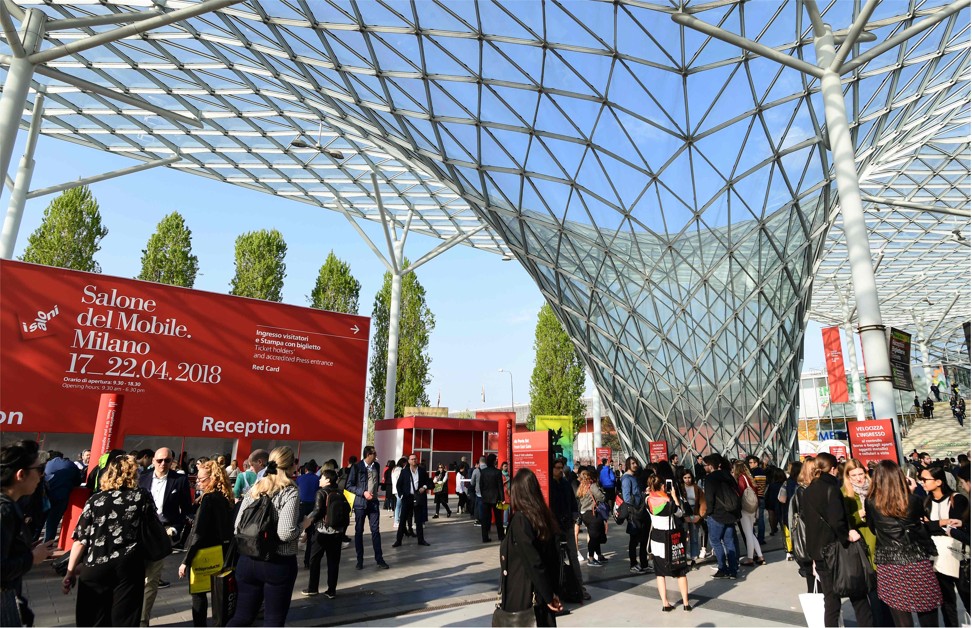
<point>363,480</point>
<point>173,504</point>
<point>413,489</point>
<point>491,492</point>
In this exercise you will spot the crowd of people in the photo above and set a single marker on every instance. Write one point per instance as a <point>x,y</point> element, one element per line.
<point>911,522</point>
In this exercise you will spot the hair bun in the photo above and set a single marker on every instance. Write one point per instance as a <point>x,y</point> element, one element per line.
<point>271,468</point>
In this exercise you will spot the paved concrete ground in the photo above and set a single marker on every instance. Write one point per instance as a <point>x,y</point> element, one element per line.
<point>454,583</point>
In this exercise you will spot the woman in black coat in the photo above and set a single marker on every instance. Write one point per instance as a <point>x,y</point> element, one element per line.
<point>213,526</point>
<point>529,558</point>
<point>825,520</point>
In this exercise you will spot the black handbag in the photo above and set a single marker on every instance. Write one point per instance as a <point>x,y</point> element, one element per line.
<point>527,617</point>
<point>152,537</point>
<point>850,569</point>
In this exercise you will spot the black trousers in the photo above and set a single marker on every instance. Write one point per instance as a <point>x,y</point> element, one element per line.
<point>325,545</point>
<point>408,511</point>
<point>200,608</point>
<point>862,608</point>
<point>490,511</point>
<point>904,618</point>
<point>638,546</point>
<point>305,509</point>
<point>595,532</point>
<point>949,585</point>
<point>442,499</point>
<point>463,504</point>
<point>111,594</point>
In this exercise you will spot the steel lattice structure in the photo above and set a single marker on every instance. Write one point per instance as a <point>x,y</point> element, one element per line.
<point>672,195</point>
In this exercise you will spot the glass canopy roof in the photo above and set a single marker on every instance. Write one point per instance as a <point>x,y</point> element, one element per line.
<point>671,194</point>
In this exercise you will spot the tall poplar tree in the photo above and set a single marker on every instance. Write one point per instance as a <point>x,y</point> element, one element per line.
<point>69,234</point>
<point>168,258</point>
<point>336,289</point>
<point>260,268</point>
<point>557,383</point>
<point>416,325</point>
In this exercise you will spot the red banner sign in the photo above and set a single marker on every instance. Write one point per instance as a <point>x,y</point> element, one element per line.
<point>188,362</point>
<point>838,451</point>
<point>657,450</point>
<point>836,378</point>
<point>872,440</point>
<point>531,450</point>
<point>604,453</point>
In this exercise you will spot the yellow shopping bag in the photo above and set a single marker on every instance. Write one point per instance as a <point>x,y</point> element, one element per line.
<point>348,495</point>
<point>207,562</point>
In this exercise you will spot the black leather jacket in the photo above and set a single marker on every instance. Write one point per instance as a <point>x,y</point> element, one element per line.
<point>320,506</point>
<point>900,541</point>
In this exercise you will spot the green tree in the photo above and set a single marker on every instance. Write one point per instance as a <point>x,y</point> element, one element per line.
<point>336,289</point>
<point>168,258</point>
<point>260,268</point>
<point>69,234</point>
<point>557,383</point>
<point>416,325</point>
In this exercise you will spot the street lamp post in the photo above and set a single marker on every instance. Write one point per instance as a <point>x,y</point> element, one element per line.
<point>512,404</point>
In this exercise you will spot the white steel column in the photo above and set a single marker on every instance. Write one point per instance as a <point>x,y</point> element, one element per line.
<point>15,87</point>
<point>25,172</point>
<point>873,340</point>
<point>596,424</point>
<point>394,317</point>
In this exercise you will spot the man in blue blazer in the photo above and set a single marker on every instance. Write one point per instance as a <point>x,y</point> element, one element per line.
<point>363,480</point>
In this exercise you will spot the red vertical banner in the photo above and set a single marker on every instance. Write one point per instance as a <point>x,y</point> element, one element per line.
<point>107,430</point>
<point>657,450</point>
<point>504,442</point>
<point>604,453</point>
<point>531,450</point>
<point>836,377</point>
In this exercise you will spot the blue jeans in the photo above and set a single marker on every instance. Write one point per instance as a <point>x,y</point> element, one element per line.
<point>761,521</point>
<point>693,538</point>
<point>270,582</point>
<point>723,540</point>
<point>371,511</point>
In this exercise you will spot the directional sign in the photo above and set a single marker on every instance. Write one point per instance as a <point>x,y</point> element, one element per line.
<point>188,362</point>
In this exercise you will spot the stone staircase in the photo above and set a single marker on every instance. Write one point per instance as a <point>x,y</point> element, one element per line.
<point>940,436</point>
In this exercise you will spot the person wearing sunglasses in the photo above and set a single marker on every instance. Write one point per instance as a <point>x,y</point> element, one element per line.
<point>173,503</point>
<point>21,472</point>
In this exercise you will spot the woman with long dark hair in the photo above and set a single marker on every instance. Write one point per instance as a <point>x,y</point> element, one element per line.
<point>822,512</point>
<point>529,558</point>
<point>943,507</point>
<point>906,579</point>
<point>695,509</point>
<point>21,472</point>
<point>212,526</point>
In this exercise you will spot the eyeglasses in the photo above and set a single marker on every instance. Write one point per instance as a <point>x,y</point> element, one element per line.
<point>924,479</point>
<point>163,460</point>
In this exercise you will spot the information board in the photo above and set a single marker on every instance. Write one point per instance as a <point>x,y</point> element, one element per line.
<point>188,362</point>
<point>531,450</point>
<point>604,453</point>
<point>872,440</point>
<point>899,356</point>
<point>657,450</point>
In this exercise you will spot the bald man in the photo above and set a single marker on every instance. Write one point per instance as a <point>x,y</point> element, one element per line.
<point>173,504</point>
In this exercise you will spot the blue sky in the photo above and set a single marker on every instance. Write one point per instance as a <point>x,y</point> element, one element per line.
<point>485,308</point>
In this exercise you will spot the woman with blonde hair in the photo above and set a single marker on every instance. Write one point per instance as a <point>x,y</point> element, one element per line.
<point>107,539</point>
<point>744,480</point>
<point>271,581</point>
<point>589,495</point>
<point>212,527</point>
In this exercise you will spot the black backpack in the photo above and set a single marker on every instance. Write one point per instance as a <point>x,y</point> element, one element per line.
<point>727,500</point>
<point>338,515</point>
<point>256,534</point>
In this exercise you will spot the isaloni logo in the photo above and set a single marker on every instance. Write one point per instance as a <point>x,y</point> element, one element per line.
<point>37,325</point>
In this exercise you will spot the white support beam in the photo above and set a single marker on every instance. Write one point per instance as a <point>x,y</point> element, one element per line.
<point>135,101</point>
<point>102,177</point>
<point>18,194</point>
<point>442,248</point>
<point>904,35</point>
<point>7,181</point>
<point>100,20</point>
<point>389,230</point>
<point>137,28</point>
<point>853,34</point>
<point>964,213</point>
<point>364,236</point>
<point>746,44</point>
<point>394,322</point>
<point>10,33</point>
<point>13,100</point>
<point>934,330</point>
<point>15,10</point>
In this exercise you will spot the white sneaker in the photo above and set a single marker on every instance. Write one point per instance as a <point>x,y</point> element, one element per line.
<point>702,554</point>
<point>580,557</point>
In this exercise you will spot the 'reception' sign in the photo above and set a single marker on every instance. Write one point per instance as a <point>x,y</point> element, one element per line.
<point>188,362</point>
<point>872,440</point>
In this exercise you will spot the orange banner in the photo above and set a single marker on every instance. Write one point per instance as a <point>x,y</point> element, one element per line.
<point>836,378</point>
